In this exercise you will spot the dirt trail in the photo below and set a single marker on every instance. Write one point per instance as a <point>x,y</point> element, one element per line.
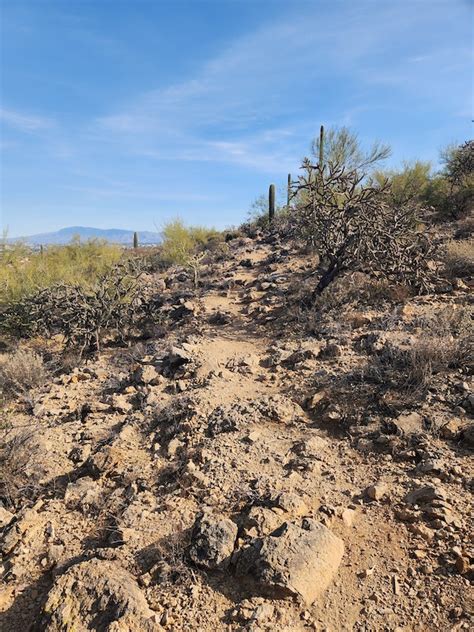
<point>127,451</point>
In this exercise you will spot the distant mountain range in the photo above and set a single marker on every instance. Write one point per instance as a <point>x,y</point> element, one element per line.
<point>112,235</point>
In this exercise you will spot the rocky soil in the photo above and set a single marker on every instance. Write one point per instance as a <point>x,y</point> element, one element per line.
<point>249,470</point>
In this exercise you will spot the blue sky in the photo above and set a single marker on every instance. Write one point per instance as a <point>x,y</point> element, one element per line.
<point>127,113</point>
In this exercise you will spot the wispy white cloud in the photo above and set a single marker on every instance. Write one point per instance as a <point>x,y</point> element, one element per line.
<point>25,122</point>
<point>238,106</point>
<point>134,192</point>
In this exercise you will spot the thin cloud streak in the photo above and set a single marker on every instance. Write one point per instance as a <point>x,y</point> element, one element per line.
<point>207,117</point>
<point>25,122</point>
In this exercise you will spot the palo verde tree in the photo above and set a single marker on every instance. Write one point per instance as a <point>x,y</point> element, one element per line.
<point>342,146</point>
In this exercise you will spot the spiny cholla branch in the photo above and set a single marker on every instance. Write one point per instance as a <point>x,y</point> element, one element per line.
<point>352,226</point>
<point>112,305</point>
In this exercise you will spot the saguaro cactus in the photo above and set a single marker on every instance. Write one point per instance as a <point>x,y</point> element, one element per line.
<point>288,190</point>
<point>135,240</point>
<point>321,147</point>
<point>271,202</point>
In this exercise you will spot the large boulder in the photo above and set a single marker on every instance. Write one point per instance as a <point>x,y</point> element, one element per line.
<point>213,541</point>
<point>295,560</point>
<point>97,595</point>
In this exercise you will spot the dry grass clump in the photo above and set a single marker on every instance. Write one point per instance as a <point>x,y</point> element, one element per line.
<point>459,259</point>
<point>15,456</point>
<point>20,372</point>
<point>445,345</point>
<point>465,228</point>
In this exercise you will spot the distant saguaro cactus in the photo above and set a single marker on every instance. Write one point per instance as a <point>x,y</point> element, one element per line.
<point>271,202</point>
<point>321,147</point>
<point>288,190</point>
<point>135,239</point>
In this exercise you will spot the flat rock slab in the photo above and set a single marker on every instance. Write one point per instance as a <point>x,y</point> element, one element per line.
<point>294,560</point>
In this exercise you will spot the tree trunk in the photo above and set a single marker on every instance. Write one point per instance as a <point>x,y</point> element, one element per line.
<point>327,278</point>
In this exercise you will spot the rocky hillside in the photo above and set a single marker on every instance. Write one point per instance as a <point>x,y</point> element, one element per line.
<point>257,466</point>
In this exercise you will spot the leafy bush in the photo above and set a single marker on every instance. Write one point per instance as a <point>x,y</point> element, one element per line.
<point>451,192</point>
<point>342,146</point>
<point>459,258</point>
<point>21,371</point>
<point>23,272</point>
<point>181,242</point>
<point>410,184</point>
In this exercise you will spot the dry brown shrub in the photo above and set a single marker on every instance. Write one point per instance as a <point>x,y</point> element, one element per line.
<point>20,372</point>
<point>15,455</point>
<point>445,345</point>
<point>465,228</point>
<point>459,259</point>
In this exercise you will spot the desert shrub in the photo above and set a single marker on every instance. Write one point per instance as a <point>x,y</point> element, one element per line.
<point>444,345</point>
<point>353,227</point>
<point>413,368</point>
<point>181,243</point>
<point>451,192</point>
<point>360,289</point>
<point>459,163</point>
<point>21,371</point>
<point>465,228</point>
<point>410,184</point>
<point>23,272</point>
<point>459,258</point>
<point>84,316</point>
<point>14,458</point>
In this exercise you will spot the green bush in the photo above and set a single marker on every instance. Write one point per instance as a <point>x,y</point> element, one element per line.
<point>24,272</point>
<point>410,184</point>
<point>181,243</point>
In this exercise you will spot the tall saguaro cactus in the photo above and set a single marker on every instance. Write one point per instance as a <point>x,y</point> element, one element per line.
<point>288,190</point>
<point>271,202</point>
<point>321,147</point>
<point>135,239</point>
